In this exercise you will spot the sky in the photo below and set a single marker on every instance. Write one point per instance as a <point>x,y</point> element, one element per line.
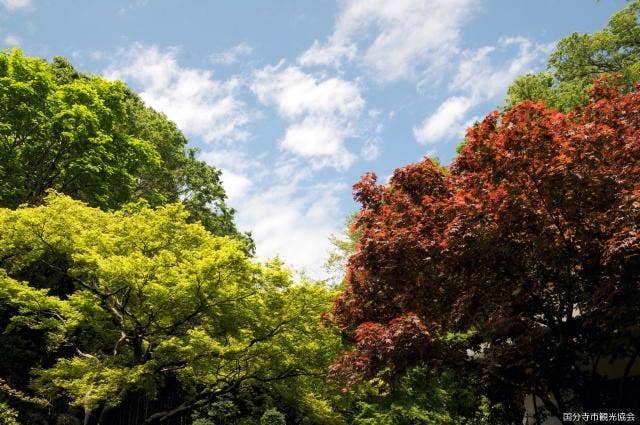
<point>294,100</point>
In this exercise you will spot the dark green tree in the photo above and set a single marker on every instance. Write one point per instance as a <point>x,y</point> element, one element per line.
<point>96,141</point>
<point>579,58</point>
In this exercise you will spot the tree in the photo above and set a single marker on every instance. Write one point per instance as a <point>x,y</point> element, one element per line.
<point>417,395</point>
<point>140,308</point>
<point>343,246</point>
<point>531,241</point>
<point>181,177</point>
<point>96,141</point>
<point>579,58</point>
<point>421,397</point>
<point>272,417</point>
<point>65,136</point>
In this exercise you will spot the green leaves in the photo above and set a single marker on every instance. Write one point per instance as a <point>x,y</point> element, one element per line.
<point>123,278</point>
<point>421,396</point>
<point>154,298</point>
<point>88,381</point>
<point>579,58</point>
<point>97,142</point>
<point>66,137</point>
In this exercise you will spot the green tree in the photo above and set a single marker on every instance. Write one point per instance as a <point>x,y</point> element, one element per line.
<point>421,396</point>
<point>579,58</point>
<point>96,141</point>
<point>180,177</point>
<point>272,417</point>
<point>343,246</point>
<point>68,137</point>
<point>146,306</point>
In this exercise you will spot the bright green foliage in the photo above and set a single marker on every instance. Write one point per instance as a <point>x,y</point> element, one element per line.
<point>272,417</point>
<point>219,412</point>
<point>8,416</point>
<point>344,245</point>
<point>139,298</point>
<point>96,141</point>
<point>579,58</point>
<point>421,397</point>
<point>69,137</point>
<point>181,177</point>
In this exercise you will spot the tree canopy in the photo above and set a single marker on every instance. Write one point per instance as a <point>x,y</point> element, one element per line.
<point>531,241</point>
<point>579,58</point>
<point>128,295</point>
<point>147,305</point>
<point>96,141</point>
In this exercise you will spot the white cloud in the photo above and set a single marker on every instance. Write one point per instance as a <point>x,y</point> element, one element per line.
<point>12,40</point>
<point>319,138</point>
<point>331,53</point>
<point>481,76</point>
<point>235,166</point>
<point>392,38</point>
<point>297,93</point>
<point>291,217</point>
<point>133,5</point>
<point>322,112</point>
<point>481,80</point>
<point>97,55</point>
<point>199,104</point>
<point>230,56</point>
<point>370,150</point>
<point>16,4</point>
<point>293,220</point>
<point>447,121</point>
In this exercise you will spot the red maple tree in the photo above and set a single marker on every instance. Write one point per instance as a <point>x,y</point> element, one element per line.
<point>531,237</point>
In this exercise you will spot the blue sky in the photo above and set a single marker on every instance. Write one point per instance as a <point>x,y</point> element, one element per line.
<point>295,100</point>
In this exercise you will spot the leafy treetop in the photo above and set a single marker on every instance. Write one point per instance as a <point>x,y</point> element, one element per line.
<point>96,141</point>
<point>146,302</point>
<point>579,58</point>
<point>532,240</point>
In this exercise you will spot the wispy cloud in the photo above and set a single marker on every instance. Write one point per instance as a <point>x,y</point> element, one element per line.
<point>479,79</point>
<point>132,5</point>
<point>371,149</point>
<point>393,38</point>
<point>447,121</point>
<point>12,40</point>
<point>420,41</point>
<point>198,103</point>
<point>16,4</point>
<point>291,217</point>
<point>294,220</point>
<point>322,112</point>
<point>240,172</point>
<point>232,55</point>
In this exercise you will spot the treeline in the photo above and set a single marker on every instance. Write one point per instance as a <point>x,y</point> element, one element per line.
<point>127,295</point>
<point>508,278</point>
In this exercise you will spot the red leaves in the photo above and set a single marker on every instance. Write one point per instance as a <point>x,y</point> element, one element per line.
<point>402,338</point>
<point>539,203</point>
<point>367,192</point>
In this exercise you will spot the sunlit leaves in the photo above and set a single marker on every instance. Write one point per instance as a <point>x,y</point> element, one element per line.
<point>578,58</point>
<point>96,141</point>
<point>153,297</point>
